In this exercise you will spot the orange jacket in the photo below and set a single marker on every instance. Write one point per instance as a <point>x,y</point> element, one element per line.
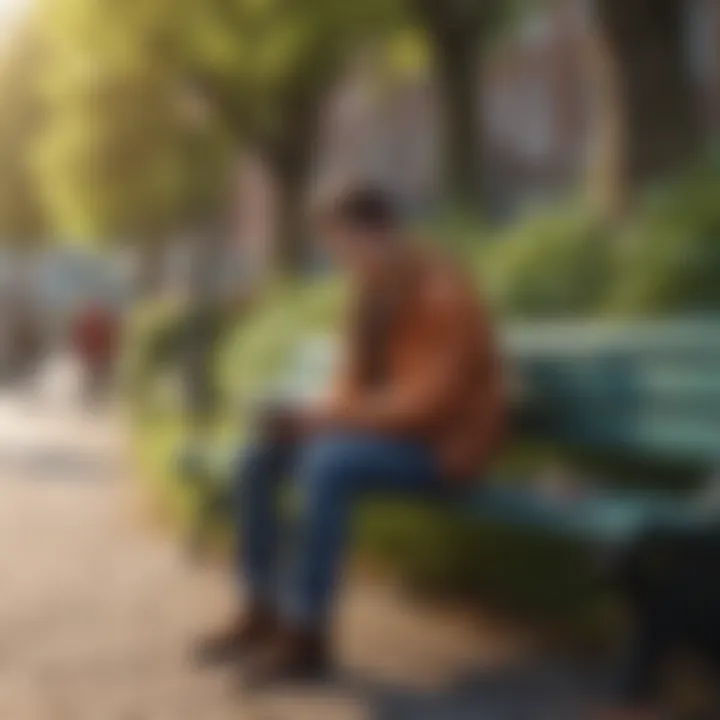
<point>442,380</point>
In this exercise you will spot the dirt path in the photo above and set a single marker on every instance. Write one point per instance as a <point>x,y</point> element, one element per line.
<point>97,614</point>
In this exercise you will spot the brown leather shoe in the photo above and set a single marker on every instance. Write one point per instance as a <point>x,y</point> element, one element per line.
<point>293,655</point>
<point>249,630</point>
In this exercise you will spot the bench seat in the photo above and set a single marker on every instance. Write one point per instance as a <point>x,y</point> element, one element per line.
<point>599,516</point>
<point>596,515</point>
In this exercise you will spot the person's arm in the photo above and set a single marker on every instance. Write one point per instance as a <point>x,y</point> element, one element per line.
<point>433,383</point>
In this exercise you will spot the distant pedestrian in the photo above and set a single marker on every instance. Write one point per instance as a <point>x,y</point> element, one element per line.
<point>96,341</point>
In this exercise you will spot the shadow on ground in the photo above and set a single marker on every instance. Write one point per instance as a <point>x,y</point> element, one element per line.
<point>538,691</point>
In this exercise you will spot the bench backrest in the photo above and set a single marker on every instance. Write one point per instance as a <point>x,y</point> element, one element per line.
<point>651,391</point>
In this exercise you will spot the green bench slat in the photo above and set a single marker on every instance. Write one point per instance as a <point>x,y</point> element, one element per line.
<point>691,380</point>
<point>654,406</point>
<point>599,517</point>
<point>650,438</point>
<point>675,338</point>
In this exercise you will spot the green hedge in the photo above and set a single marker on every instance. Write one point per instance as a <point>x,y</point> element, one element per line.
<point>259,346</point>
<point>664,258</point>
<point>557,263</point>
<point>668,255</point>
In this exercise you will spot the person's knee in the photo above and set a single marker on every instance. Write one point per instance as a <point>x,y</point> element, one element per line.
<point>327,469</point>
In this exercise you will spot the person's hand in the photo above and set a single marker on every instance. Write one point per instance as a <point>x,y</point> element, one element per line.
<point>290,424</point>
<point>279,422</point>
<point>315,419</point>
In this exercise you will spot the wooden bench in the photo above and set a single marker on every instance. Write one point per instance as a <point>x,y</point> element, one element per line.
<point>641,393</point>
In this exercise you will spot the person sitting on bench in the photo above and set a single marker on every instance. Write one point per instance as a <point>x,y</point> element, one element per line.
<point>416,408</point>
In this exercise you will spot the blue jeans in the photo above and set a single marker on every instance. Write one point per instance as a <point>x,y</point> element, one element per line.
<point>331,472</point>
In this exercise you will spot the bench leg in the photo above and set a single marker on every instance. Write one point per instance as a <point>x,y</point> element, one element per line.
<point>670,583</point>
<point>649,645</point>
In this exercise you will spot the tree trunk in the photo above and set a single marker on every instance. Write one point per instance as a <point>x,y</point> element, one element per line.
<point>290,252</point>
<point>648,121</point>
<point>458,67</point>
<point>202,326</point>
<point>290,160</point>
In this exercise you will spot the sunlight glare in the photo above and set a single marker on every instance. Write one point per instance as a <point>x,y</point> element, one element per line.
<point>10,10</point>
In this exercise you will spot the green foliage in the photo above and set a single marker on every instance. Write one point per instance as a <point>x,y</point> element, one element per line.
<point>153,338</point>
<point>557,263</point>
<point>151,102</point>
<point>669,254</point>
<point>462,234</point>
<point>22,215</point>
<point>267,64</point>
<point>158,340</point>
<point>126,155</point>
<point>435,549</point>
<point>259,347</point>
<point>664,258</point>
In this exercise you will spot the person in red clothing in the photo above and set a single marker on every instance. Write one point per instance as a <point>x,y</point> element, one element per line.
<point>96,340</point>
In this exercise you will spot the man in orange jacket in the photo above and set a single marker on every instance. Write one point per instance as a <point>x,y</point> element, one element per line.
<point>416,408</point>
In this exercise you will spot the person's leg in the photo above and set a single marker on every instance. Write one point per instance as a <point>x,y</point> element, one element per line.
<point>333,472</point>
<point>257,475</point>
